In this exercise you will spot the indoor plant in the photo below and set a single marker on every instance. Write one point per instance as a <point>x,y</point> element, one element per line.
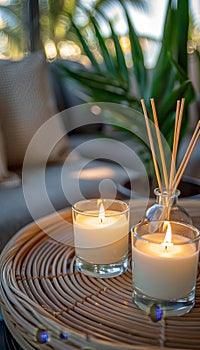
<point>111,80</point>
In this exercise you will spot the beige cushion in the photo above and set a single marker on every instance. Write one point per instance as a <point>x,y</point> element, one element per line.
<point>26,102</point>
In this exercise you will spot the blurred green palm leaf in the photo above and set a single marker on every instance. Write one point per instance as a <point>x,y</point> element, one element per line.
<point>111,80</point>
<point>141,4</point>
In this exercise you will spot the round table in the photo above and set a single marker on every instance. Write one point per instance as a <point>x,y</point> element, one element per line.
<point>44,299</point>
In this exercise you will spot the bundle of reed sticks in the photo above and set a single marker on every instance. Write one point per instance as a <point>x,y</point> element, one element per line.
<point>173,177</point>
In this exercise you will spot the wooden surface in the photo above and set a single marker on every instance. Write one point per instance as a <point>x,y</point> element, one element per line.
<point>40,289</point>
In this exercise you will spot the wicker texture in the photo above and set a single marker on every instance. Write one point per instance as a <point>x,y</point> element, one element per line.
<point>40,289</point>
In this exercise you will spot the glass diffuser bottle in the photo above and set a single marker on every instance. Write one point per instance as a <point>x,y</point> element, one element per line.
<point>166,207</point>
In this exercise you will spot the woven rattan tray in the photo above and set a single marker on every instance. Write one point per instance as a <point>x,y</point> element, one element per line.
<point>40,290</point>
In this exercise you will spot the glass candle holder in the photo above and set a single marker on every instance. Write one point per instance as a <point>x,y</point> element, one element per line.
<point>165,265</point>
<point>101,230</point>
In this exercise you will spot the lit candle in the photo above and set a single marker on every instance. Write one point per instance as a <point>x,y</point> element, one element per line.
<point>166,268</point>
<point>101,237</point>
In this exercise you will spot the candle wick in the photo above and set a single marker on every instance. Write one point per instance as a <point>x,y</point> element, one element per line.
<point>167,244</point>
<point>101,220</point>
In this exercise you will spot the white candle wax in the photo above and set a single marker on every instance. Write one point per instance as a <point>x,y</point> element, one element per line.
<point>101,242</point>
<point>164,273</point>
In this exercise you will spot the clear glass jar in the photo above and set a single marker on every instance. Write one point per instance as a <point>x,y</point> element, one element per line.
<point>166,207</point>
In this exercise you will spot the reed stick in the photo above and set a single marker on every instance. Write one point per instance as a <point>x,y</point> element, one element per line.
<point>187,156</point>
<point>178,128</point>
<point>160,145</point>
<point>151,145</point>
<point>175,146</point>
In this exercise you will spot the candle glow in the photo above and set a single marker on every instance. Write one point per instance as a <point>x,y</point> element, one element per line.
<point>167,243</point>
<point>101,213</point>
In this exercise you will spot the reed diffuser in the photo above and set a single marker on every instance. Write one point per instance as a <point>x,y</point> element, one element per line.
<point>166,206</point>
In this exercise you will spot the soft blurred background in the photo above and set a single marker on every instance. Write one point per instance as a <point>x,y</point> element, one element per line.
<point>114,51</point>
<point>148,18</point>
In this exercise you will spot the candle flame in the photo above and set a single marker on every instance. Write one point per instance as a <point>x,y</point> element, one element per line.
<point>167,242</point>
<point>101,213</point>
